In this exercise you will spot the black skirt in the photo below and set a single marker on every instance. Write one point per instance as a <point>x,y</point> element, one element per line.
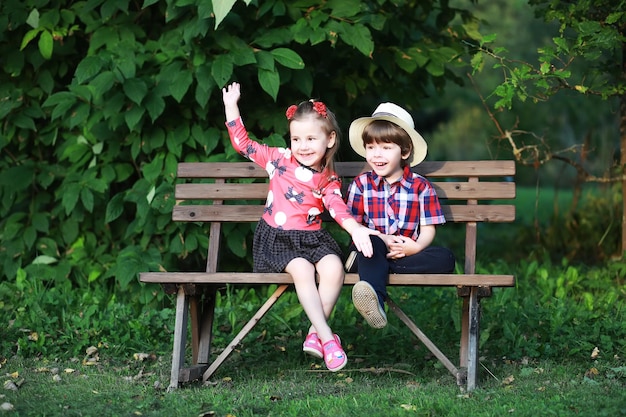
<point>274,248</point>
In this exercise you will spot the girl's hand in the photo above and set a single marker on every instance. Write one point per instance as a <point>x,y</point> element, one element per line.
<point>231,94</point>
<point>361,238</point>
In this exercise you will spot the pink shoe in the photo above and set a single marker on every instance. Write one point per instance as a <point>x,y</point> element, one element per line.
<point>313,346</point>
<point>334,355</point>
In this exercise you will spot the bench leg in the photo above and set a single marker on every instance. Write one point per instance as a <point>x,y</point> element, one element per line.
<point>206,327</point>
<point>244,331</point>
<point>421,336</point>
<point>180,337</point>
<point>473,338</point>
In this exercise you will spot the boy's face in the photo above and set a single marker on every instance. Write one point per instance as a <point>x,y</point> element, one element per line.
<point>385,159</point>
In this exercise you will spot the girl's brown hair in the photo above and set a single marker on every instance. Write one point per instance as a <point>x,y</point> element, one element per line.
<point>328,121</point>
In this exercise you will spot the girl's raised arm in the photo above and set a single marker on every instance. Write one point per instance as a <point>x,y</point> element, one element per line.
<point>230,95</point>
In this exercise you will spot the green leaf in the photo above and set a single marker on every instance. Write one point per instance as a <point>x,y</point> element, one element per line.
<point>135,89</point>
<point>265,61</point>
<point>88,68</point>
<point>180,85</point>
<point>153,169</point>
<point>60,97</point>
<point>269,81</point>
<point>70,198</point>
<point>133,116</point>
<point>33,19</point>
<point>287,58</point>
<point>46,44</point>
<point>115,208</point>
<point>344,8</point>
<point>221,9</point>
<point>358,36</point>
<point>29,235</point>
<point>222,69</point>
<point>29,36</point>
<point>155,105</point>
<point>40,222</point>
<point>23,121</point>
<point>147,3</point>
<point>79,114</point>
<point>86,197</point>
<point>44,260</point>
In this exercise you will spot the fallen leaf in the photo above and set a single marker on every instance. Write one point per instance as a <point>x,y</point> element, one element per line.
<point>10,385</point>
<point>91,350</point>
<point>592,373</point>
<point>15,374</point>
<point>69,370</point>
<point>56,378</point>
<point>6,407</point>
<point>595,352</point>
<point>408,407</point>
<point>508,380</point>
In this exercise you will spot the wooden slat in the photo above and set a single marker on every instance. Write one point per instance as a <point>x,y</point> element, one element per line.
<point>230,191</point>
<point>445,280</point>
<point>432,169</point>
<point>258,191</point>
<point>497,213</point>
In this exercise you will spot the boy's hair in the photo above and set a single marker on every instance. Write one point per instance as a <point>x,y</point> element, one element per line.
<point>328,121</point>
<point>388,132</point>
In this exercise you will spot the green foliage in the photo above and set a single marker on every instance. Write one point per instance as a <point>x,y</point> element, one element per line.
<point>558,311</point>
<point>100,100</point>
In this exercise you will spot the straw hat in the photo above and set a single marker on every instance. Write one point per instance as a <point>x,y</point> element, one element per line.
<point>397,115</point>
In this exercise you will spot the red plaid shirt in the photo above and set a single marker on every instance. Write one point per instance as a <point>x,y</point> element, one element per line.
<point>395,209</point>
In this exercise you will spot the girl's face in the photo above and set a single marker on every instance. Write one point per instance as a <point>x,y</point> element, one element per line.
<point>385,159</point>
<point>309,142</point>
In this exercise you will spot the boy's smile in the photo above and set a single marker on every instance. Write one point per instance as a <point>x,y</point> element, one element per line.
<point>385,159</point>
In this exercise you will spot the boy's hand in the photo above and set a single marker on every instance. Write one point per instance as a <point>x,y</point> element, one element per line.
<point>400,246</point>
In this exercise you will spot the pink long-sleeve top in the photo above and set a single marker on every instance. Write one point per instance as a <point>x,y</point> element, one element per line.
<point>297,194</point>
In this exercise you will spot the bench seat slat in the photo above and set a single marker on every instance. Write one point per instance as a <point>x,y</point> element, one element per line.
<point>284,278</point>
<point>495,213</point>
<point>432,169</point>
<point>445,190</point>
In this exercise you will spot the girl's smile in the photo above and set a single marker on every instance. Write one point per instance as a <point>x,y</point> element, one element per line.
<point>309,142</point>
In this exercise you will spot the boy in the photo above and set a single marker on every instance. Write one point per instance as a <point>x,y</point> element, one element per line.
<point>400,204</point>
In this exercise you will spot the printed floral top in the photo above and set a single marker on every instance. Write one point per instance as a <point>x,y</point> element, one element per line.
<point>297,194</point>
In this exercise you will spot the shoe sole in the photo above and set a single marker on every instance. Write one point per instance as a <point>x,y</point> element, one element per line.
<point>365,300</point>
<point>313,352</point>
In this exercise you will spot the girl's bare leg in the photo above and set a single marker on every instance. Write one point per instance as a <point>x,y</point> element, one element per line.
<point>303,273</point>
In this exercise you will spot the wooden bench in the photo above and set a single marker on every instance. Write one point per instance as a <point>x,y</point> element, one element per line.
<point>465,188</point>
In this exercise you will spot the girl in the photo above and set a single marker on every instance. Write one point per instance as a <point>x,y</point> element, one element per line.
<point>289,236</point>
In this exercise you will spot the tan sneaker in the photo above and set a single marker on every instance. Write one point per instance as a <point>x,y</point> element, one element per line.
<point>365,300</point>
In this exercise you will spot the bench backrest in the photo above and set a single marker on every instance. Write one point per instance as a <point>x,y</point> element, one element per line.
<point>465,188</point>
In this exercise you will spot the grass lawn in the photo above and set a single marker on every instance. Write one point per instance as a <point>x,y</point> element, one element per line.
<point>286,384</point>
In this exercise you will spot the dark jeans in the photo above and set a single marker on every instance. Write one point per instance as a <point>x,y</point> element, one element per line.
<point>375,270</point>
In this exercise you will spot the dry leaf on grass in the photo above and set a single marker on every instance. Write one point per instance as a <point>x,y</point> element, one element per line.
<point>508,380</point>
<point>6,406</point>
<point>10,385</point>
